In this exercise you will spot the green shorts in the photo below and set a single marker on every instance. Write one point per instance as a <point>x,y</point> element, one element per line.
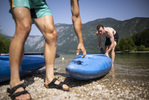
<point>38,8</point>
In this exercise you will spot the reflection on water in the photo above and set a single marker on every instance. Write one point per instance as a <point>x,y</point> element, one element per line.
<point>113,74</point>
<point>134,66</point>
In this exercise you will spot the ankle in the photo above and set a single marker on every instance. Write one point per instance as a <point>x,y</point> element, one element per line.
<point>14,83</point>
<point>48,79</point>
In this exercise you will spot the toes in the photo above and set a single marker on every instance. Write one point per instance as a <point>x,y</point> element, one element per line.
<point>65,87</point>
<point>23,97</point>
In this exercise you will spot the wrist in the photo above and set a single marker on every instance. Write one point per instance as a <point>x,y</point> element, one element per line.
<point>81,41</point>
<point>107,52</point>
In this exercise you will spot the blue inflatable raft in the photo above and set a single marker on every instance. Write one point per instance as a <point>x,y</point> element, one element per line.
<point>29,64</point>
<point>90,67</point>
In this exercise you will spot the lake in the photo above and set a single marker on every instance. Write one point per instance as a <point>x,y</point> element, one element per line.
<point>131,70</point>
<point>130,66</point>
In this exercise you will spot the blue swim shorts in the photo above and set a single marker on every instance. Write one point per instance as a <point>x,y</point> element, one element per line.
<point>38,8</point>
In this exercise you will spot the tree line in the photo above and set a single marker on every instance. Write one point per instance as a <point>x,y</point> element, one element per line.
<point>4,44</point>
<point>137,42</point>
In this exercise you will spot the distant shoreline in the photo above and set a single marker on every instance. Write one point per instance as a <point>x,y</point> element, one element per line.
<point>131,51</point>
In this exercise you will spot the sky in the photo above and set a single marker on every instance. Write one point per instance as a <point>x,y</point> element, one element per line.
<point>89,10</point>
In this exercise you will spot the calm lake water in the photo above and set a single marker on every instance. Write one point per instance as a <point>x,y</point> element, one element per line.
<point>128,67</point>
<point>133,66</point>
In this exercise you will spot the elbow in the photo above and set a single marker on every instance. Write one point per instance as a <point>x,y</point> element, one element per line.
<point>75,17</point>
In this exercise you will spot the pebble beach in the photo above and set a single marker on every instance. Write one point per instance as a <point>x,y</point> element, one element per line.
<point>116,85</point>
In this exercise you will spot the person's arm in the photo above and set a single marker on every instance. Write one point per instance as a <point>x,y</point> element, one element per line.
<point>99,40</point>
<point>77,25</point>
<point>100,43</point>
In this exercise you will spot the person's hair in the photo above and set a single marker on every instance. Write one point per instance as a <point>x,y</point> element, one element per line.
<point>99,26</point>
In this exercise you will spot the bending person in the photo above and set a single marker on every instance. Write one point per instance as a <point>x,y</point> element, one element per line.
<point>111,40</point>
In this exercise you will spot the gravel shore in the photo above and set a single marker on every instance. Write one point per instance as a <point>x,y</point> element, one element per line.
<point>127,80</point>
<point>106,88</point>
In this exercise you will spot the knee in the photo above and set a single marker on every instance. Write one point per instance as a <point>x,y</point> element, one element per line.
<point>27,28</point>
<point>50,34</point>
<point>22,32</point>
<point>23,29</point>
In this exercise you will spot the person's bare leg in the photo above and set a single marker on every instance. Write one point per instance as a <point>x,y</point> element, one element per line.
<point>113,58</point>
<point>113,52</point>
<point>22,20</point>
<point>46,26</point>
<point>106,48</point>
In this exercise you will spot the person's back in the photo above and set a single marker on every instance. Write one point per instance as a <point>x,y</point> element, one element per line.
<point>110,30</point>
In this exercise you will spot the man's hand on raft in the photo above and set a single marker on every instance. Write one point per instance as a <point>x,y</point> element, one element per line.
<point>82,48</point>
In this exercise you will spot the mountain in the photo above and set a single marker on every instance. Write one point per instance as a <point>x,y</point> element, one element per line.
<point>34,43</point>
<point>67,39</point>
<point>129,27</point>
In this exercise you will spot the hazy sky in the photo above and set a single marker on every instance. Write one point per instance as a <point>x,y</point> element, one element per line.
<point>89,9</point>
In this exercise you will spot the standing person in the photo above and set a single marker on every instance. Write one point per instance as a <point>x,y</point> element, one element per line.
<point>111,40</point>
<point>24,12</point>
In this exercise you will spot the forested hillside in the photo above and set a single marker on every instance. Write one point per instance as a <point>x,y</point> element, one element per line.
<point>4,44</point>
<point>67,40</point>
<point>138,42</point>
